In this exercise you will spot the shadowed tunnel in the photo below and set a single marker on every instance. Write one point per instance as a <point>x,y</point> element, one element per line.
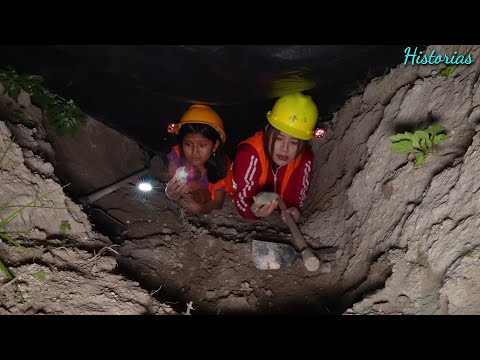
<point>140,89</point>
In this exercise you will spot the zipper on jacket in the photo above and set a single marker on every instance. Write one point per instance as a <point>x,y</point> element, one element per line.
<point>275,179</point>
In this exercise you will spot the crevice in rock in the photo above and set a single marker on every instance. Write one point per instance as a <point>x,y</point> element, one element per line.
<point>379,271</point>
<point>461,220</point>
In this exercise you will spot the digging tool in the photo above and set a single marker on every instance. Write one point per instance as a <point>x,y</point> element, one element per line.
<point>309,259</point>
<point>105,222</point>
<point>87,200</point>
<point>269,255</point>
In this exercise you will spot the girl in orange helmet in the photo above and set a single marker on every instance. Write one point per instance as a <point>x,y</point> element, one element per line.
<point>199,173</point>
<point>277,159</point>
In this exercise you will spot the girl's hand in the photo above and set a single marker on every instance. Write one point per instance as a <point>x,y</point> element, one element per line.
<point>264,210</point>
<point>175,189</point>
<point>294,212</point>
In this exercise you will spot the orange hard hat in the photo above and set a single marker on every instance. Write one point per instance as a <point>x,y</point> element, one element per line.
<point>200,114</point>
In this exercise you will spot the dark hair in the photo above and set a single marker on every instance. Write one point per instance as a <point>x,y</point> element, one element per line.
<point>217,165</point>
<point>272,133</point>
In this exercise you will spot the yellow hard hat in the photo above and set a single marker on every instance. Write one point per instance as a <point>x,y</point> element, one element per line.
<point>201,114</point>
<point>294,114</point>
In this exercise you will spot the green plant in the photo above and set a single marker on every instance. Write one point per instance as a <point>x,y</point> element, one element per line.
<point>6,234</point>
<point>41,275</point>
<point>65,115</point>
<point>64,225</point>
<point>21,113</point>
<point>421,142</point>
<point>448,70</point>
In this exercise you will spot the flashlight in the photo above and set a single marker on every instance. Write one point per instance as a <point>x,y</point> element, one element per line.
<point>144,186</point>
<point>181,174</point>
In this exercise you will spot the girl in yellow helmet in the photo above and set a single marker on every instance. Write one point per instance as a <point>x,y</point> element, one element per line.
<point>278,158</point>
<point>199,173</point>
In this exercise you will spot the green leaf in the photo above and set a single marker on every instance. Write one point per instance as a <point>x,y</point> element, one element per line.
<point>64,226</point>
<point>13,215</point>
<point>419,159</point>
<point>439,138</point>
<point>447,70</point>
<point>434,129</point>
<point>416,141</point>
<point>422,134</point>
<point>42,100</point>
<point>428,144</point>
<point>399,137</point>
<point>13,91</point>
<point>41,275</point>
<point>64,115</point>
<point>422,145</point>
<point>5,270</point>
<point>9,238</point>
<point>419,141</point>
<point>402,147</point>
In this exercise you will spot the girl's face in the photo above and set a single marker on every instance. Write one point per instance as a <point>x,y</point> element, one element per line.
<point>197,149</point>
<point>284,149</point>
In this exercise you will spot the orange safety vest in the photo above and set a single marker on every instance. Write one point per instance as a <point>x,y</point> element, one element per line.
<point>226,182</point>
<point>257,142</point>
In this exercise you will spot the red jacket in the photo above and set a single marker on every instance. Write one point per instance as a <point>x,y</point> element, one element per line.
<point>248,174</point>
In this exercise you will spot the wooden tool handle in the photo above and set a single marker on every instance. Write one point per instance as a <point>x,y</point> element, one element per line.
<point>309,258</point>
